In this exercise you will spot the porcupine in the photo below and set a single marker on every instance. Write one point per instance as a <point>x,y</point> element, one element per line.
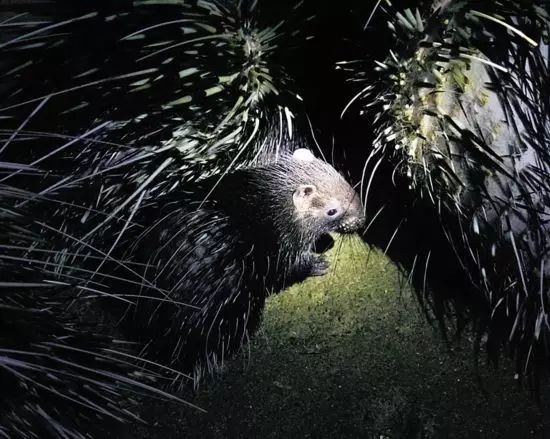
<point>218,250</point>
<point>461,116</point>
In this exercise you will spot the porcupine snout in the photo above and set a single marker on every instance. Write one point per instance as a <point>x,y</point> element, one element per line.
<point>353,218</point>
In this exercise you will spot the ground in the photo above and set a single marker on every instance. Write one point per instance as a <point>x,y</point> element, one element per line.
<point>350,355</point>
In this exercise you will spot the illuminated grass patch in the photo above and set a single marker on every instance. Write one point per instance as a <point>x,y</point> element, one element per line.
<point>348,355</point>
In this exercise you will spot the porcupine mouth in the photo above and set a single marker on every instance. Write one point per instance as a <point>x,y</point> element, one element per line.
<point>323,244</point>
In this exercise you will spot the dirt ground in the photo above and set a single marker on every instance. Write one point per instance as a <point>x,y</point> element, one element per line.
<point>350,355</point>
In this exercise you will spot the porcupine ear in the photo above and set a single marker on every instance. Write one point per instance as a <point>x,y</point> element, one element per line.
<point>303,154</point>
<point>302,196</point>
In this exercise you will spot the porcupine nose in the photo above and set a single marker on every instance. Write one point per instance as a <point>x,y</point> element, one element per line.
<point>354,219</point>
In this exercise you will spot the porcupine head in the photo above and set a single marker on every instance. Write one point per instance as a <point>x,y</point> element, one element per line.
<point>292,203</point>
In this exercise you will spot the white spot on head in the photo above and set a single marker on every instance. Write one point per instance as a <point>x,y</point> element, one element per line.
<point>303,154</point>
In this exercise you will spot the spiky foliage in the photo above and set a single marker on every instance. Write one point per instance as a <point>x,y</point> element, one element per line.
<point>164,92</point>
<point>195,79</point>
<point>461,107</point>
<point>60,375</point>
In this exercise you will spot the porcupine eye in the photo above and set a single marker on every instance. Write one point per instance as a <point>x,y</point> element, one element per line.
<point>333,212</point>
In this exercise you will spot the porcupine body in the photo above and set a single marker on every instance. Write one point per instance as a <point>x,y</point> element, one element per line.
<point>461,113</point>
<point>211,255</point>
